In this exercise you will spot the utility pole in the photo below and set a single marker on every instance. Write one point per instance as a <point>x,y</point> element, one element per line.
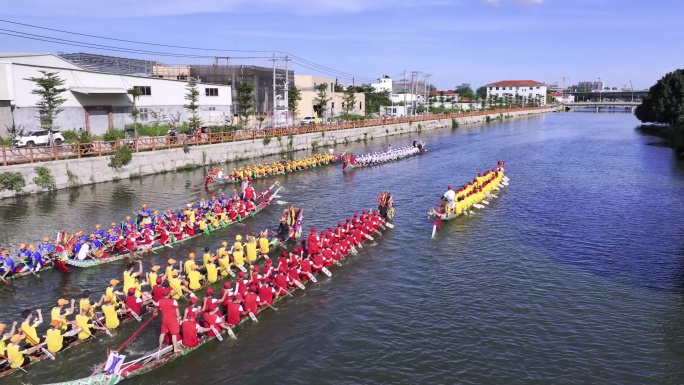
<point>405,109</point>
<point>427,92</point>
<point>287,90</point>
<point>414,88</point>
<point>274,88</point>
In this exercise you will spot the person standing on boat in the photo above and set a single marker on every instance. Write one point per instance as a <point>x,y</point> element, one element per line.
<point>449,196</point>
<point>170,320</point>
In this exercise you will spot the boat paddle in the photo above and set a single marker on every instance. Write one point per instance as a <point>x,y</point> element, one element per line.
<point>312,278</point>
<point>253,317</point>
<point>326,271</point>
<point>13,363</point>
<point>231,333</point>
<point>217,334</point>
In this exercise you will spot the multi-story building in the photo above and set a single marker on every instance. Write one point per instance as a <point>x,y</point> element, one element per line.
<point>310,104</point>
<point>98,101</point>
<point>518,91</point>
<point>384,85</point>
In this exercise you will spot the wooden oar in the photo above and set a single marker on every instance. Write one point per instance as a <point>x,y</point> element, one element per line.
<point>253,317</point>
<point>231,333</point>
<point>217,334</point>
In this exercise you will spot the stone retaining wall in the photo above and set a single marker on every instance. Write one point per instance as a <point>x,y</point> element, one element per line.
<point>96,169</point>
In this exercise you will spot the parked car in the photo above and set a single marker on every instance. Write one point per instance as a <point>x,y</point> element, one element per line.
<point>38,138</point>
<point>308,120</point>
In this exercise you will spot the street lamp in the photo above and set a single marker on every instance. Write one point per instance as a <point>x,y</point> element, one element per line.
<point>631,88</point>
<point>600,88</point>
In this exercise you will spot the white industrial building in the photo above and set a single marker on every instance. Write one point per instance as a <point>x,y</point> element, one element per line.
<point>525,89</point>
<point>385,84</point>
<point>97,101</point>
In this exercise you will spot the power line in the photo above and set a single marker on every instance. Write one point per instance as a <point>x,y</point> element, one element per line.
<point>322,68</point>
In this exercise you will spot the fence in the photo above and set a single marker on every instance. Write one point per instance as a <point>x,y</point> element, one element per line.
<point>102,148</point>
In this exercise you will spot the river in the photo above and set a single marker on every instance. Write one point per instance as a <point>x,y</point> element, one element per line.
<point>574,274</point>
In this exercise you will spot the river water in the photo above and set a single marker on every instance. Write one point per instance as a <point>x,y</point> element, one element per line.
<point>574,274</point>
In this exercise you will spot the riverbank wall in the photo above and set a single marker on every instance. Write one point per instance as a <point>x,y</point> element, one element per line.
<point>73,173</point>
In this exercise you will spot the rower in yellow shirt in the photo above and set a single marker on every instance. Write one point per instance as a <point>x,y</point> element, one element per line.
<point>57,315</point>
<point>224,264</point>
<point>170,269</point>
<point>238,255</point>
<point>212,271</point>
<point>15,355</point>
<point>130,278</point>
<point>5,337</point>
<point>83,322</point>
<point>110,312</point>
<point>28,327</point>
<point>251,249</point>
<point>189,264</point>
<point>57,339</point>
<point>264,245</point>
<point>152,276</point>
<point>194,278</point>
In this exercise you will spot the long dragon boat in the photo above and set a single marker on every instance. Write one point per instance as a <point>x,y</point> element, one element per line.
<point>49,260</point>
<point>274,244</point>
<point>105,258</point>
<point>474,194</point>
<point>116,370</point>
<point>267,171</point>
<point>350,162</point>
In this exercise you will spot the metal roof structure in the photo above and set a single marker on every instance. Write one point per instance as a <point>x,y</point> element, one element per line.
<point>111,64</point>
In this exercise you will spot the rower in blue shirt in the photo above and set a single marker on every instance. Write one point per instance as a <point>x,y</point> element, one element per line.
<point>7,266</point>
<point>35,262</point>
<point>95,243</point>
<point>98,233</point>
<point>23,253</point>
<point>46,247</point>
<point>145,215</point>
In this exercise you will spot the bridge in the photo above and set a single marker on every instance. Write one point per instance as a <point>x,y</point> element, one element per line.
<point>614,106</point>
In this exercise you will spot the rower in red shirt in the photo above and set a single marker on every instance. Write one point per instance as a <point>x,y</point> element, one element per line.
<point>281,281</point>
<point>133,303</point>
<point>170,320</point>
<point>305,270</point>
<point>190,329</point>
<point>313,241</point>
<point>209,303</point>
<point>234,311</point>
<point>241,284</point>
<point>214,321</point>
<point>266,293</point>
<point>250,303</point>
<point>192,307</point>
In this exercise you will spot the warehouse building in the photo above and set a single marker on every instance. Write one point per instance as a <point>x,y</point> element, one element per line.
<point>98,101</point>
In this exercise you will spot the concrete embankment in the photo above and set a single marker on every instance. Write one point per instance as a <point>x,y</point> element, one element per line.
<point>79,172</point>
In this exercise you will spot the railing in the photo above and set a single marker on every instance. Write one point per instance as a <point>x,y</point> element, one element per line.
<point>78,150</point>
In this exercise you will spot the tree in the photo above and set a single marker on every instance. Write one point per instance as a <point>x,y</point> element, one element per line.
<point>481,91</point>
<point>664,102</point>
<point>464,90</point>
<point>294,96</point>
<point>349,99</point>
<point>192,96</point>
<point>49,88</point>
<point>374,99</point>
<point>322,98</point>
<point>135,94</point>
<point>245,101</point>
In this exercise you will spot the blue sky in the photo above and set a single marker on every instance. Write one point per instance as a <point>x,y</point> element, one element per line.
<point>471,41</point>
